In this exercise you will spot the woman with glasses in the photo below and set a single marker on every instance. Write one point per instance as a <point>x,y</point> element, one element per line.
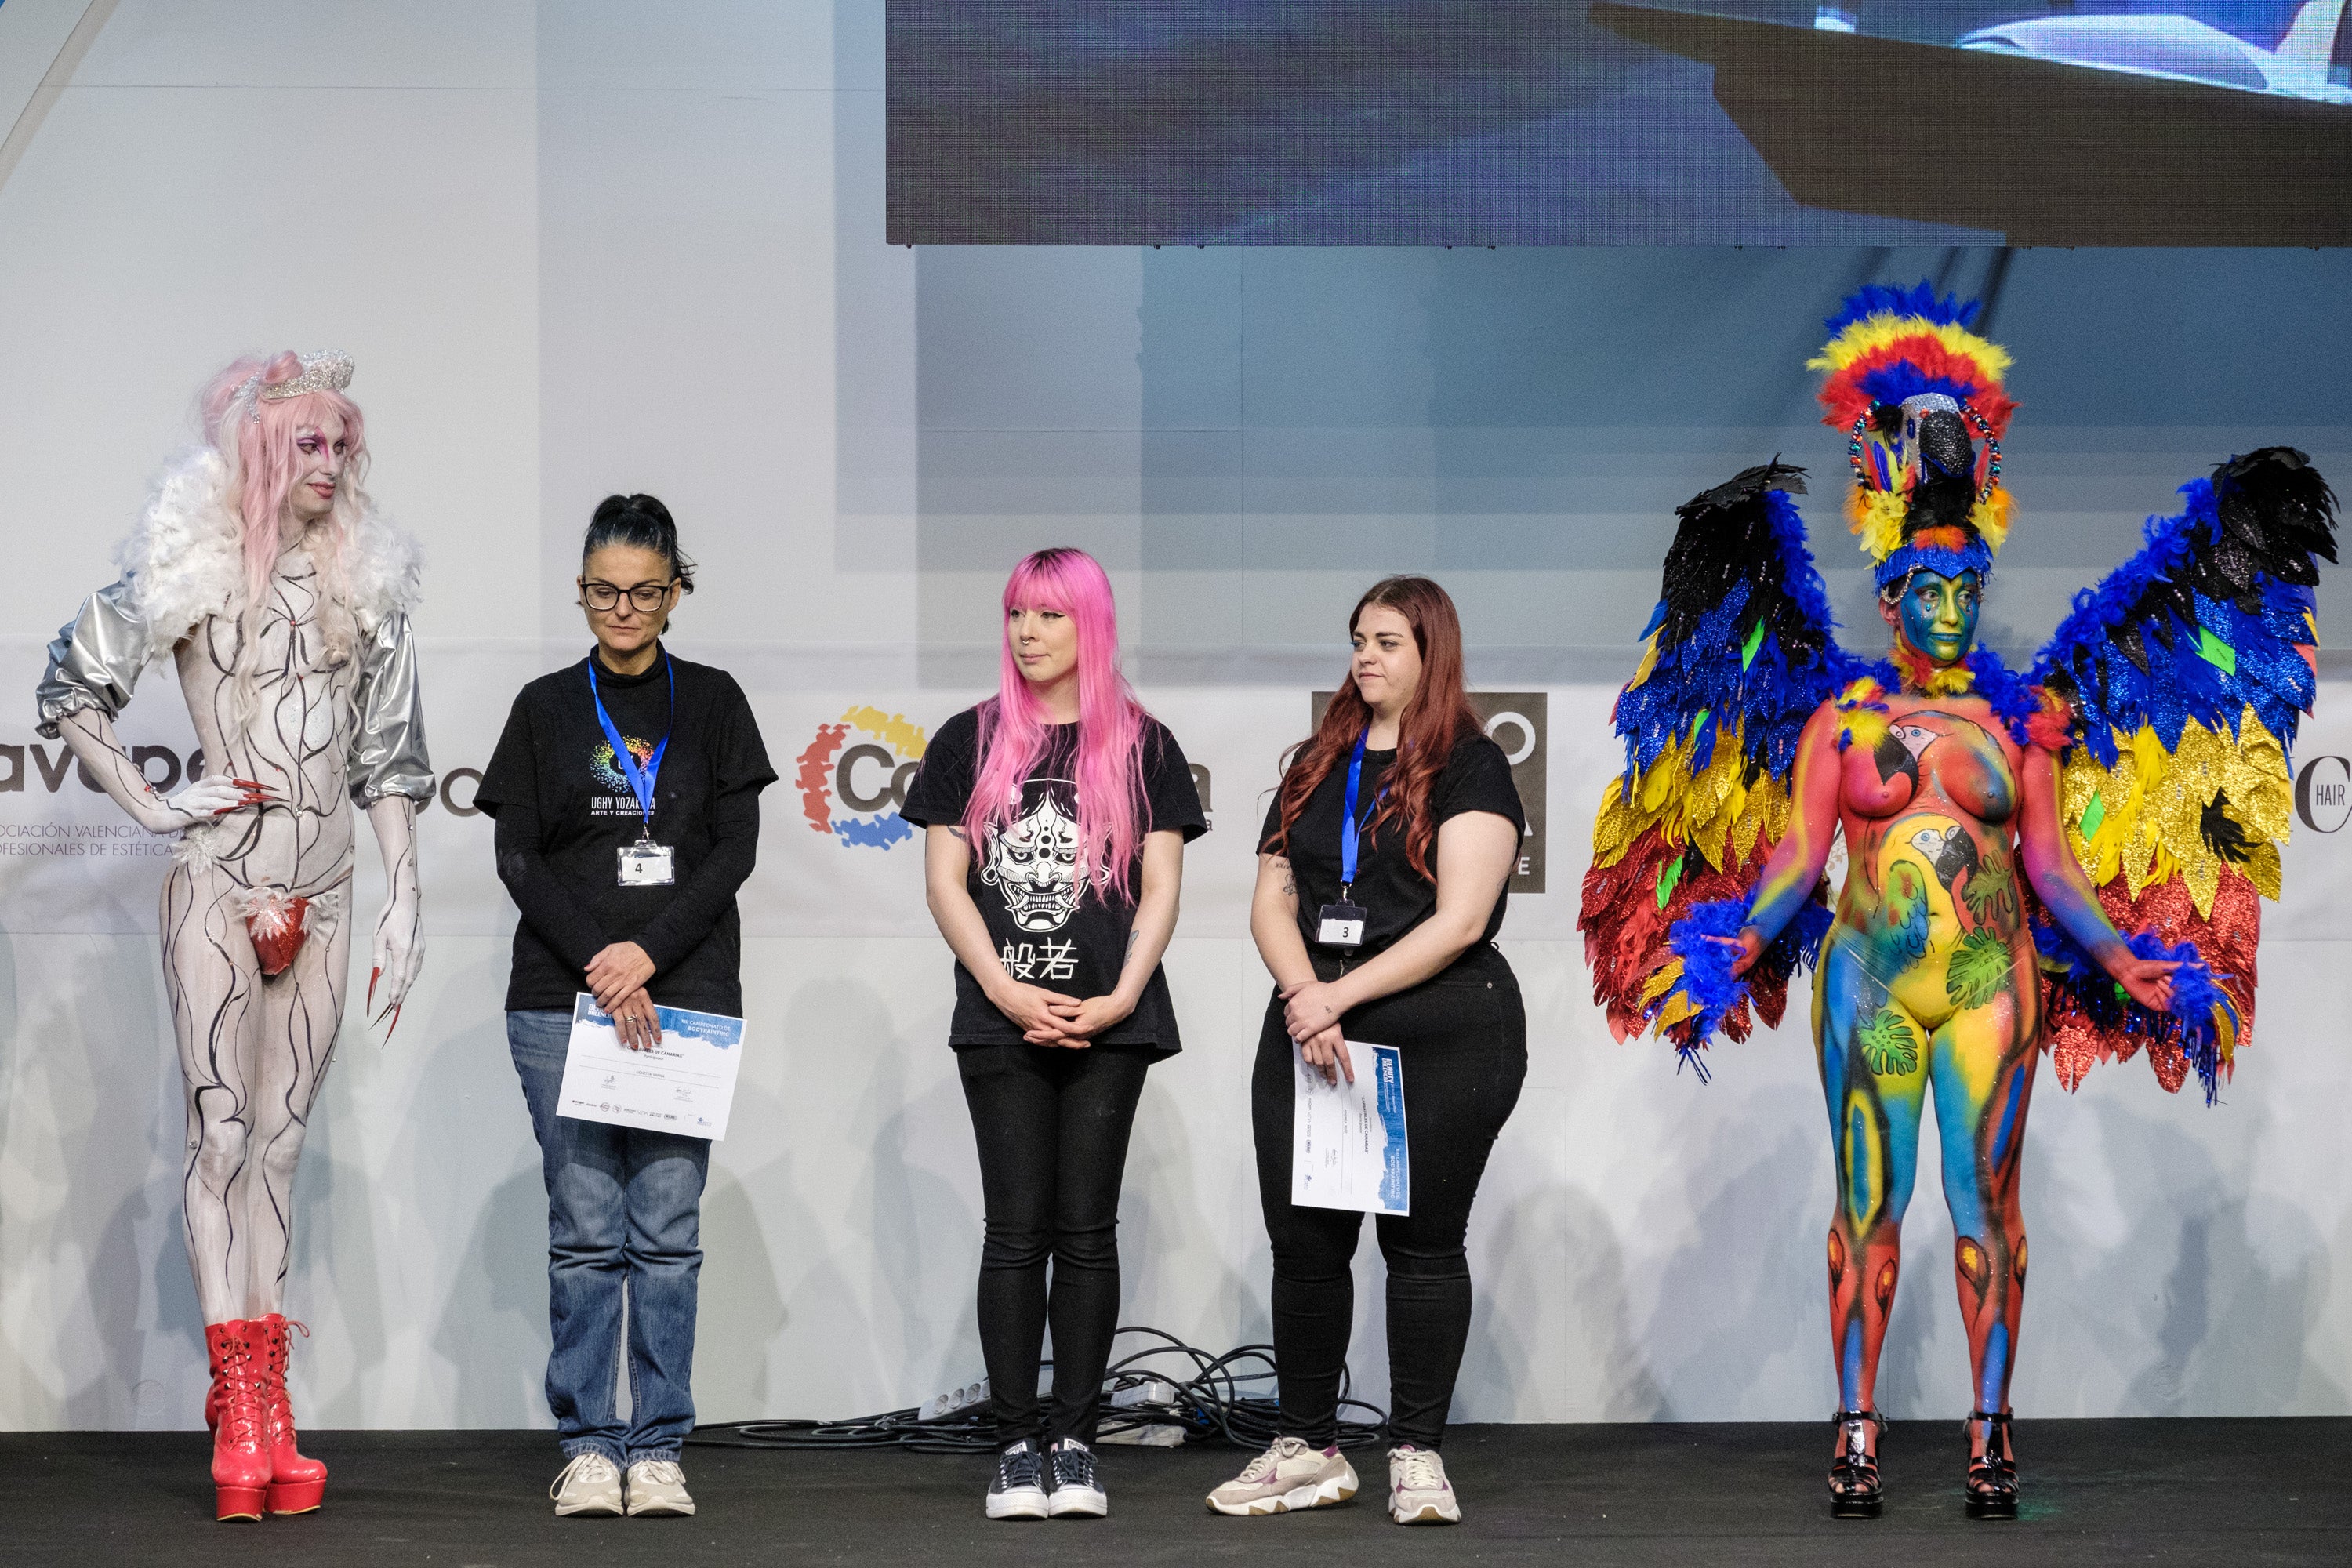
<point>626,793</point>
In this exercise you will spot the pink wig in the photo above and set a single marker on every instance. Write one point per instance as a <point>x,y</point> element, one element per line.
<point>257,436</point>
<point>1012,723</point>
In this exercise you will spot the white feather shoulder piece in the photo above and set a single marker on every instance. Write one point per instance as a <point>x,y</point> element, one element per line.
<point>186,559</point>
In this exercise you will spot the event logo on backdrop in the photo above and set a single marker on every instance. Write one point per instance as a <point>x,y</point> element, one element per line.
<point>41,768</point>
<point>2323,793</point>
<point>1520,722</point>
<point>853,790</point>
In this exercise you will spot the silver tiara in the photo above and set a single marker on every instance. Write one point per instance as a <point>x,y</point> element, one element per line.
<point>329,370</point>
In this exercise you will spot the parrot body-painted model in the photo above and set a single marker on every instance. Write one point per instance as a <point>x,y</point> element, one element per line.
<point>2066,861</point>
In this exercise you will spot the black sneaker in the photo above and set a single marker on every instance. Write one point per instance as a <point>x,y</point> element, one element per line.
<point>1018,1491</point>
<point>1073,1492</point>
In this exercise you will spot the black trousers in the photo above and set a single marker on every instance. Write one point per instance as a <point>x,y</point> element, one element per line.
<point>1464,1049</point>
<point>1052,1124</point>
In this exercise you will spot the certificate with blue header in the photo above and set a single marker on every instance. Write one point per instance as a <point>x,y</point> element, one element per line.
<point>683,1085</point>
<point>1348,1148</point>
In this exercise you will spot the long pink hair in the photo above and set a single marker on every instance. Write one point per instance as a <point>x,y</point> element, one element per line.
<point>1012,723</point>
<point>263,461</point>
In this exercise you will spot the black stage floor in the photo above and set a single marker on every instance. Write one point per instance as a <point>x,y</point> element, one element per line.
<point>2181,1492</point>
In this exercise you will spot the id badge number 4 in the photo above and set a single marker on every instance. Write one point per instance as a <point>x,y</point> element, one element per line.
<point>646,865</point>
<point>1340,925</point>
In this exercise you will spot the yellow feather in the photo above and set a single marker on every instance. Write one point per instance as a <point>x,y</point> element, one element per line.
<point>1991,517</point>
<point>1877,331</point>
<point>1649,661</point>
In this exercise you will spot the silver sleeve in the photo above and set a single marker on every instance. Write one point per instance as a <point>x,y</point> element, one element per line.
<point>388,749</point>
<point>95,660</point>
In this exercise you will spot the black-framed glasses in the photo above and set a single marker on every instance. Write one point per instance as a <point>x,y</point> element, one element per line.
<point>646,597</point>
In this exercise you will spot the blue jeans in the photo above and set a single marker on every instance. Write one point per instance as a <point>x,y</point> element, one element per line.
<point>624,1215</point>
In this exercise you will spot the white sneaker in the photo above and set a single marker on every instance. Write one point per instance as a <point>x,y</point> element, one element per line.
<point>1291,1474</point>
<point>1419,1492</point>
<point>657,1487</point>
<point>1019,1490</point>
<point>1073,1490</point>
<point>591,1484</point>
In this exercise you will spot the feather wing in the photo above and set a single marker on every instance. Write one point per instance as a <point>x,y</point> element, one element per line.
<point>2186,670</point>
<point>1737,657</point>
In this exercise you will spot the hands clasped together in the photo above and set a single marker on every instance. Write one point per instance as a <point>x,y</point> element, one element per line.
<point>1311,1013</point>
<point>1050,1018</point>
<point>616,978</point>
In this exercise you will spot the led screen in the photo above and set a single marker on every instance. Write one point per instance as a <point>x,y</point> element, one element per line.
<point>1564,121</point>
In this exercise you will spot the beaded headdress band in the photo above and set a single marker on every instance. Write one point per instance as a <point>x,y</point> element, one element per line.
<point>1901,359</point>
<point>329,370</point>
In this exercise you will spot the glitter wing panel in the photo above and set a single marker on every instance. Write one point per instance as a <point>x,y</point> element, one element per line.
<point>1739,654</point>
<point>2187,671</point>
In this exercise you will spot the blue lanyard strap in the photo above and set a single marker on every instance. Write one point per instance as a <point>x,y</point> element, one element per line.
<point>1348,830</point>
<point>641,779</point>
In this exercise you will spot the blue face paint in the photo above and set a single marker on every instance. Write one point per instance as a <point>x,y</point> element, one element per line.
<point>1940,615</point>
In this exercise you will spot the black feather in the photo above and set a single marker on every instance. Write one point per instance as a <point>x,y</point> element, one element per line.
<point>2222,833</point>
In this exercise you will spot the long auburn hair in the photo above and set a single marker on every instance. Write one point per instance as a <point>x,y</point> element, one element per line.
<point>1436,719</point>
<point>1014,725</point>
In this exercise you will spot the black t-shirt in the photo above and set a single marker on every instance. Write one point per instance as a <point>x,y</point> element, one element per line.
<point>565,809</point>
<point>1394,898</point>
<point>1049,930</point>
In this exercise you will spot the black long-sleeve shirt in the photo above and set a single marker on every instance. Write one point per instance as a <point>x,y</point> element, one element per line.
<point>565,809</point>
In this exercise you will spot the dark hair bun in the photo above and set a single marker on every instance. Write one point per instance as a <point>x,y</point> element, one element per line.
<point>644,505</point>
<point>641,523</point>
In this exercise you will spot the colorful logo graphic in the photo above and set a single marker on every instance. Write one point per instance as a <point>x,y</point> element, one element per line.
<point>607,768</point>
<point>853,790</point>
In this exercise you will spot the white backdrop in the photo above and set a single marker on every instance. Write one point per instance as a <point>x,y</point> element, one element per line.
<point>577,247</point>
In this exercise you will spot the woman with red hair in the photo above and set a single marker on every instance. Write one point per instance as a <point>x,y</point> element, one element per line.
<point>261,570</point>
<point>1383,870</point>
<point>1056,817</point>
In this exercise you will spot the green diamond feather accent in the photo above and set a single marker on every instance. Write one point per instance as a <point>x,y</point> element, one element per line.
<point>1668,879</point>
<point>2092,815</point>
<point>2217,653</point>
<point>1755,641</point>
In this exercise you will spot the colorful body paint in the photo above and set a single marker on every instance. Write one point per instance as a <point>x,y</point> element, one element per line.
<point>1928,986</point>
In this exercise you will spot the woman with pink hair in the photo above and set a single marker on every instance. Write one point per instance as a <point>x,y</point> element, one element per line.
<point>262,571</point>
<point>1056,817</point>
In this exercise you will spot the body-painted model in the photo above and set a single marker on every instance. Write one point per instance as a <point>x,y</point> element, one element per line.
<point>1975,813</point>
<point>261,570</point>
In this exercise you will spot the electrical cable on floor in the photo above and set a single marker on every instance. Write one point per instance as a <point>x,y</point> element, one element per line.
<point>1203,1398</point>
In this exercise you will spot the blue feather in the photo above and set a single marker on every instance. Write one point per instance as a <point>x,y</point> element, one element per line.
<point>1975,556</point>
<point>2180,684</point>
<point>1881,300</point>
<point>2188,1023</point>
<point>1706,980</point>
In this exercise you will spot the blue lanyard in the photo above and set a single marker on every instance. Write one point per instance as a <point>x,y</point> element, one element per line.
<point>1348,821</point>
<point>641,779</point>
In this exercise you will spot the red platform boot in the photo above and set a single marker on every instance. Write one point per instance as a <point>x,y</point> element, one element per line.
<point>213,1394</point>
<point>297,1485</point>
<point>240,1447</point>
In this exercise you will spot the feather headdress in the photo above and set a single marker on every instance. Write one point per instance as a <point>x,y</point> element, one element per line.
<point>1919,396</point>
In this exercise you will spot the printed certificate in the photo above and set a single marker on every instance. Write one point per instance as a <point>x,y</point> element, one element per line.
<point>1348,1148</point>
<point>683,1085</point>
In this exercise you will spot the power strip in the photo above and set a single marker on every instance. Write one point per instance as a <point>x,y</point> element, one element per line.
<point>971,1395</point>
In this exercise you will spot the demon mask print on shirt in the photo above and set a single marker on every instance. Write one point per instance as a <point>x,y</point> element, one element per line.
<point>1033,863</point>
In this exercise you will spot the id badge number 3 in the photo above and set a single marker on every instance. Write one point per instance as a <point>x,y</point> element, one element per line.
<point>1340,925</point>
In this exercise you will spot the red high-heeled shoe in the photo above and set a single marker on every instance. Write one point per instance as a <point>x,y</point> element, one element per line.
<point>241,1468</point>
<point>297,1484</point>
<point>212,1393</point>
